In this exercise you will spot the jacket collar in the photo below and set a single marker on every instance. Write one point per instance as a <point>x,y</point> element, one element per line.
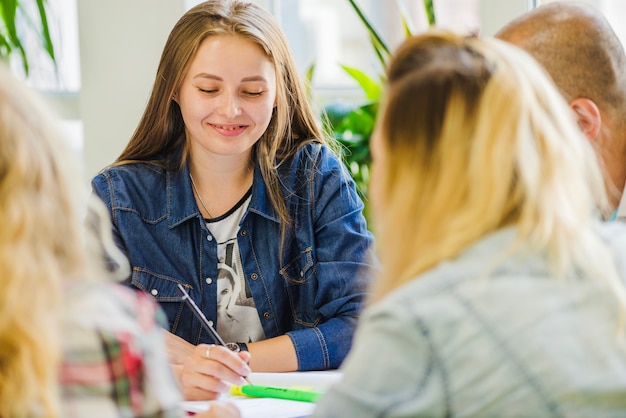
<point>181,203</point>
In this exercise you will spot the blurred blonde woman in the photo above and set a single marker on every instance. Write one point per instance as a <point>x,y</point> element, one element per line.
<point>501,292</point>
<point>72,343</point>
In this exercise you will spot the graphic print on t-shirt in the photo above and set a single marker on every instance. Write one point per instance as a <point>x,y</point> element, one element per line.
<point>237,318</point>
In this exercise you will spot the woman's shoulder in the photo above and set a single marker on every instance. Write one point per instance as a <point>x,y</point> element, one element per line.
<point>129,174</point>
<point>476,270</point>
<point>134,186</point>
<point>427,292</point>
<point>315,162</point>
<point>315,154</point>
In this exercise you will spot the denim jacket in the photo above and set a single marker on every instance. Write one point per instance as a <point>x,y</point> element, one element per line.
<point>313,293</point>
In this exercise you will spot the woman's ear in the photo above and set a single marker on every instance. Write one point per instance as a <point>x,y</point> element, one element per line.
<point>588,115</point>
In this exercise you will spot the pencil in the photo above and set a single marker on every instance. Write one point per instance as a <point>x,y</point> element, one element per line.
<point>205,322</point>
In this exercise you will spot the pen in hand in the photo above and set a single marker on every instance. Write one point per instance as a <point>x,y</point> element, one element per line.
<point>205,323</point>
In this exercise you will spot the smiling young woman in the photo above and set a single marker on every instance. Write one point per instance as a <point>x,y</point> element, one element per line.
<point>228,167</point>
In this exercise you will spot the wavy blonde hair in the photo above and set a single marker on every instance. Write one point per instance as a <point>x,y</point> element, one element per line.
<point>474,137</point>
<point>42,246</point>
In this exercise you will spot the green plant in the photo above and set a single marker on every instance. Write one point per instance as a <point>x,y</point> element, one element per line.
<point>15,25</point>
<point>353,125</point>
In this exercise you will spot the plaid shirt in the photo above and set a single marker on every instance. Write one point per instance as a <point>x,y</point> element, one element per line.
<point>115,360</point>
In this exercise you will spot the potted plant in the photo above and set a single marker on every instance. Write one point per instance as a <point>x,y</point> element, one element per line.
<point>352,125</point>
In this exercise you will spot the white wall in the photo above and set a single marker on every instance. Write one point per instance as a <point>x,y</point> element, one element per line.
<point>496,13</point>
<point>120,46</point>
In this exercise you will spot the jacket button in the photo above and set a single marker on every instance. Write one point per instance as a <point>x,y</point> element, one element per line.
<point>210,322</point>
<point>208,280</point>
<point>243,232</point>
<point>209,238</point>
<point>254,276</point>
<point>154,292</point>
<point>266,315</point>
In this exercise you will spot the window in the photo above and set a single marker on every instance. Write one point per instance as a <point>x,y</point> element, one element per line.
<point>61,85</point>
<point>63,22</point>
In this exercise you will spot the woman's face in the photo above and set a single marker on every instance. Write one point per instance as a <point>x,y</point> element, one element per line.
<point>227,97</point>
<point>224,292</point>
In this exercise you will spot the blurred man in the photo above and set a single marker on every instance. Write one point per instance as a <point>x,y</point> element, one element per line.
<point>578,47</point>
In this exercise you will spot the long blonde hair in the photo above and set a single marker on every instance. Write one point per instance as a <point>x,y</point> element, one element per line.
<point>42,245</point>
<point>160,136</point>
<point>475,138</point>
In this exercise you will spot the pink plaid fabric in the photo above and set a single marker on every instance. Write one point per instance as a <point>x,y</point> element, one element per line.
<point>115,361</point>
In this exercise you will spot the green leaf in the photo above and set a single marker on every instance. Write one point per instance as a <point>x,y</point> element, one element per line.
<point>336,112</point>
<point>371,87</point>
<point>382,56</point>
<point>5,46</point>
<point>309,72</point>
<point>45,30</point>
<point>354,132</point>
<point>371,109</point>
<point>369,27</point>
<point>308,77</point>
<point>9,12</point>
<point>25,63</point>
<point>360,121</point>
<point>430,12</point>
<point>406,27</point>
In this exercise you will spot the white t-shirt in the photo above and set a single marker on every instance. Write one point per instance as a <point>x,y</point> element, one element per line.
<point>237,318</point>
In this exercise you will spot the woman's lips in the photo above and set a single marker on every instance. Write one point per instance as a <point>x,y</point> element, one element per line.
<point>229,130</point>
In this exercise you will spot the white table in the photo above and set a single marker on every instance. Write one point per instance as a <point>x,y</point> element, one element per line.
<point>275,408</point>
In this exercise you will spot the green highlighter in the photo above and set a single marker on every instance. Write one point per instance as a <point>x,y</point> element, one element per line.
<point>258,391</point>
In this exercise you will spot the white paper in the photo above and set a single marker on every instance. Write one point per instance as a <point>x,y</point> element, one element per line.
<point>259,407</point>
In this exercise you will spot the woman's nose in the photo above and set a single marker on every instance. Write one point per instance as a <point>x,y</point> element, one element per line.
<point>230,106</point>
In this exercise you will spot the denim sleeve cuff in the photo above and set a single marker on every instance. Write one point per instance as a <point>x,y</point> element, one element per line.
<point>311,349</point>
<point>323,347</point>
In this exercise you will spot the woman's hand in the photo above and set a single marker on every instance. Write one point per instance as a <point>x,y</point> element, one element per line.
<point>220,410</point>
<point>178,349</point>
<point>205,371</point>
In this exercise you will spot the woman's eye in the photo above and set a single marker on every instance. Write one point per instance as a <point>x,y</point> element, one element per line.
<point>253,93</point>
<point>207,90</point>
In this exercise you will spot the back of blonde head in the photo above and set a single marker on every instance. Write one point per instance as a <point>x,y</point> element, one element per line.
<point>34,201</point>
<point>42,205</point>
<point>476,138</point>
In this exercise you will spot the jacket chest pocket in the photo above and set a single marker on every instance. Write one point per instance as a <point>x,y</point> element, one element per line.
<point>301,285</point>
<point>164,289</point>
